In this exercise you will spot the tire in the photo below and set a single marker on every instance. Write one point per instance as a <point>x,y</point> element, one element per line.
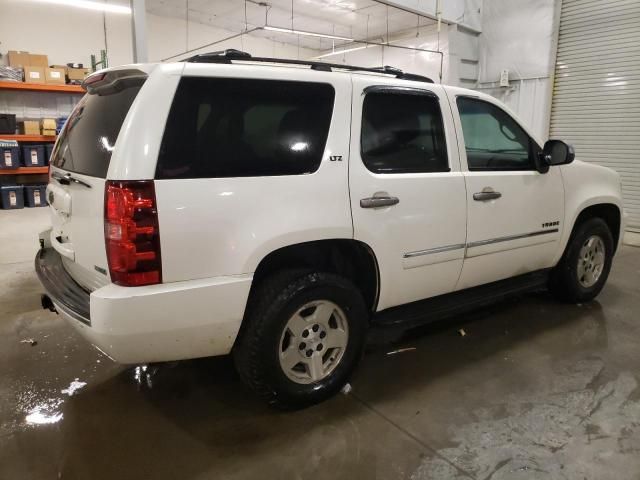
<point>571,280</point>
<point>283,308</point>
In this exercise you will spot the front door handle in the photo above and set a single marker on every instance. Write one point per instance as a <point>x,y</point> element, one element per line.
<point>484,196</point>
<point>376,202</point>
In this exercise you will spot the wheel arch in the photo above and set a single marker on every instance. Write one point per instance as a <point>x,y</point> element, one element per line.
<point>609,212</point>
<point>350,258</point>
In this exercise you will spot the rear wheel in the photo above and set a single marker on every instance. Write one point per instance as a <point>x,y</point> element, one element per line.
<point>584,267</point>
<point>303,336</point>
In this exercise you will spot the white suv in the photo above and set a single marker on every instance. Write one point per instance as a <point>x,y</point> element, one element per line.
<point>276,209</point>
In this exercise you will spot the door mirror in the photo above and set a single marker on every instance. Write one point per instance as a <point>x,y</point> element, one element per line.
<point>556,152</point>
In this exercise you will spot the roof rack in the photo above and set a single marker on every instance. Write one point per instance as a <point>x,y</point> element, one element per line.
<point>226,56</point>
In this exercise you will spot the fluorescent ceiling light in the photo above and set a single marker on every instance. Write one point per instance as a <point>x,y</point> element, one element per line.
<point>100,6</point>
<point>309,34</point>
<point>342,51</point>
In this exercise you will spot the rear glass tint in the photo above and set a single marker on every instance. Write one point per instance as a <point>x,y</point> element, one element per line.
<point>88,138</point>
<point>222,127</point>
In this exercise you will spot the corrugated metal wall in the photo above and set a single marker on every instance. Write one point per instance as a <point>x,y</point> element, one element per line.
<point>596,97</point>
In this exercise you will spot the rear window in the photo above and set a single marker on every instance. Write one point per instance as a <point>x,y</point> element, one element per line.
<point>87,140</point>
<point>221,127</point>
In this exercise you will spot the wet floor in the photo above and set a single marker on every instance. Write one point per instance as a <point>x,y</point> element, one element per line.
<point>534,389</point>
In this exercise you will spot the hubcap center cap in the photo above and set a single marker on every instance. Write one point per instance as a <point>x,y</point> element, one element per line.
<point>591,261</point>
<point>313,341</point>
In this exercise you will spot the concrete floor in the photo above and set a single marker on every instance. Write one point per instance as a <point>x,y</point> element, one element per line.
<point>535,389</point>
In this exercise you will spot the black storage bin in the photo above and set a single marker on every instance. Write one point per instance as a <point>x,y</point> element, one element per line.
<point>35,196</point>
<point>9,157</point>
<point>33,155</point>
<point>12,197</point>
<point>7,123</point>
<point>49,150</point>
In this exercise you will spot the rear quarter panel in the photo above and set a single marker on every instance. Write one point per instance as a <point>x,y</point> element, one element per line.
<point>136,151</point>
<point>226,226</point>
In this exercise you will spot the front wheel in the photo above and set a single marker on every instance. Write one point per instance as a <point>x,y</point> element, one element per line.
<point>303,336</point>
<point>584,267</point>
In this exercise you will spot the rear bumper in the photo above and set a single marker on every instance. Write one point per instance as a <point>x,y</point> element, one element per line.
<point>154,323</point>
<point>69,297</point>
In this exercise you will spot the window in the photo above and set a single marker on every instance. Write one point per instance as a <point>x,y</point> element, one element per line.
<point>402,132</point>
<point>88,138</point>
<point>493,140</point>
<point>223,127</point>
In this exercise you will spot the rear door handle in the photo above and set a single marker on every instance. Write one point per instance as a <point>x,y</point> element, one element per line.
<point>484,196</point>
<point>376,202</point>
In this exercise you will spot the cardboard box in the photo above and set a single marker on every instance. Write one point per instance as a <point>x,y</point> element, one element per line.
<point>55,76</point>
<point>74,74</point>
<point>48,123</point>
<point>48,126</point>
<point>30,127</point>
<point>34,74</point>
<point>77,74</point>
<point>37,60</point>
<point>18,58</point>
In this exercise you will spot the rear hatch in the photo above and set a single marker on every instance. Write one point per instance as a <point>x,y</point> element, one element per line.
<point>79,166</point>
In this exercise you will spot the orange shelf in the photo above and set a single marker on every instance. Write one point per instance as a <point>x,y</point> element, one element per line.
<point>24,170</point>
<point>37,87</point>
<point>29,138</point>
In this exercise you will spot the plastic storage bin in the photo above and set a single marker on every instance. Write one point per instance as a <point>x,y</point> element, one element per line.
<point>60,121</point>
<point>7,123</point>
<point>35,196</point>
<point>9,156</point>
<point>49,150</point>
<point>33,155</point>
<point>12,197</point>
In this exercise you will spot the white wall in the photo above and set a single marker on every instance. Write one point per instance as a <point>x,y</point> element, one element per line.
<point>519,35</point>
<point>68,34</point>
<point>422,63</point>
<point>65,34</point>
<point>464,12</point>
<point>167,37</point>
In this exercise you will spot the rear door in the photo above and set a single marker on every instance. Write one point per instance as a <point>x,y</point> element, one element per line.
<point>407,191</point>
<point>79,166</point>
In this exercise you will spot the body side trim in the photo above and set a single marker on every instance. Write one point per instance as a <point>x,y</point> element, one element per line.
<point>510,237</point>
<point>447,248</point>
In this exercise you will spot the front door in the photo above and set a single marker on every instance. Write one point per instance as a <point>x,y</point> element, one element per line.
<point>514,212</point>
<point>407,191</point>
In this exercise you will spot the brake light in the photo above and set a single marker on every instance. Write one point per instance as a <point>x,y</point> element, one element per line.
<point>131,233</point>
<point>93,79</point>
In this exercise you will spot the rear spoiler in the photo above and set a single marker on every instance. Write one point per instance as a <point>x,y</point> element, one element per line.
<point>113,81</point>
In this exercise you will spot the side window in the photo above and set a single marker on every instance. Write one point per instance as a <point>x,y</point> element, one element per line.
<point>402,133</point>
<point>220,127</point>
<point>493,140</point>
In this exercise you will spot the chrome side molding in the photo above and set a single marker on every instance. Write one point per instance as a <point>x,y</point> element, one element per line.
<point>510,237</point>
<point>429,251</point>
<point>479,243</point>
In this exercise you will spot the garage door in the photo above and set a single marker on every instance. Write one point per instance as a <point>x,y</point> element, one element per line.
<point>596,97</point>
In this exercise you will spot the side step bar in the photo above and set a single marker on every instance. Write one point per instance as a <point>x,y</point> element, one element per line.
<point>443,306</point>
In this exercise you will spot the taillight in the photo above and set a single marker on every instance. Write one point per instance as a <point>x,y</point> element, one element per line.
<point>131,233</point>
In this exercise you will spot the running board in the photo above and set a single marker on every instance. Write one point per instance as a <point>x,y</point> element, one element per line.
<point>455,303</point>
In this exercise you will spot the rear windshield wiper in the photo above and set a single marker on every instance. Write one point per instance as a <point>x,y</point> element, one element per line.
<point>68,178</point>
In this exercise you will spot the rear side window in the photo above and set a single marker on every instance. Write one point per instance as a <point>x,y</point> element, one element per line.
<point>222,127</point>
<point>403,133</point>
<point>88,138</point>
